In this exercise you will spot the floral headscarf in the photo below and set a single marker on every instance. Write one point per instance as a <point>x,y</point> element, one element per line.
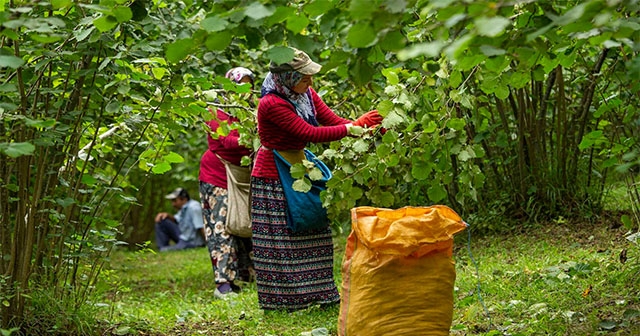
<point>236,74</point>
<point>281,84</point>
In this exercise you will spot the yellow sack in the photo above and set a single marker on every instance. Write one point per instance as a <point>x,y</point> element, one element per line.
<point>398,272</point>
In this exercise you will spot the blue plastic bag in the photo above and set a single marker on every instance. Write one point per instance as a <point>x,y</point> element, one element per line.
<point>304,209</point>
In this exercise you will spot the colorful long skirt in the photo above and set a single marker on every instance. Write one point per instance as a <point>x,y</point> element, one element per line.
<point>293,270</point>
<point>230,255</point>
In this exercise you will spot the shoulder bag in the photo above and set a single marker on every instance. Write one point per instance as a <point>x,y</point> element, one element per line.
<point>304,209</point>
<point>238,222</point>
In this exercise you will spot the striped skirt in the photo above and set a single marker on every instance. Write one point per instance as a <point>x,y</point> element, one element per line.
<point>293,270</point>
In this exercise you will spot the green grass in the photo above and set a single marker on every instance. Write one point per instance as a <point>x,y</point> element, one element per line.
<point>531,284</point>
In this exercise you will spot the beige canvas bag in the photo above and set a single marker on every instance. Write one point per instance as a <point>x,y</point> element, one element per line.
<point>238,202</point>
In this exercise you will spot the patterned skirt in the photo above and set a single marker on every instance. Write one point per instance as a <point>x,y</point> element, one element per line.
<point>230,255</point>
<point>293,270</point>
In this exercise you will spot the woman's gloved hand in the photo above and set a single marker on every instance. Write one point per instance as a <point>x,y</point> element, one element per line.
<point>369,119</point>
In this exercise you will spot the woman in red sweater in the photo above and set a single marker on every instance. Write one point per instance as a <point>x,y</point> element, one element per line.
<point>293,269</point>
<point>230,255</point>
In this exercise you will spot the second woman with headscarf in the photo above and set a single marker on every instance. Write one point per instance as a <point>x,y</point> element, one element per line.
<point>230,254</point>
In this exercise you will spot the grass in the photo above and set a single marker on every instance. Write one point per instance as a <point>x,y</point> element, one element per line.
<point>557,279</point>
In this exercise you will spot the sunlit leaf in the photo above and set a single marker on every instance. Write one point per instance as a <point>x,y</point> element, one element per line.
<point>491,26</point>
<point>360,146</point>
<point>122,14</point>
<point>57,4</point>
<point>297,23</point>
<point>105,23</point>
<point>302,185</point>
<point>318,7</point>
<point>428,49</point>
<point>385,107</point>
<point>161,168</point>
<point>315,174</point>
<point>173,157</point>
<point>491,50</point>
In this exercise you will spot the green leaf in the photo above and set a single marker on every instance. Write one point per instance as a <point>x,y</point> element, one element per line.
<point>178,50</point>
<point>161,168</point>
<point>491,26</point>
<point>456,123</point>
<point>520,79</point>
<point>280,55</point>
<point>158,73</point>
<point>502,91</point>
<point>393,41</point>
<point>16,149</point>
<point>315,174</point>
<point>10,61</point>
<point>113,106</point>
<point>105,23</point>
<point>8,87</point>
<point>318,7</point>
<point>65,202</point>
<point>302,185</point>
<point>385,107</point>
<point>383,150</point>
<point>57,4</point>
<point>82,34</point>
<point>297,23</point>
<point>361,35</point>
<point>38,123</point>
<point>428,49</point>
<point>219,41</point>
<point>173,157</point>
<point>491,50</point>
<point>258,11</point>
<point>360,146</point>
<point>436,193</point>
<point>280,14</point>
<point>391,75</point>
<point>214,24</point>
<point>626,221</point>
<point>89,180</point>
<point>590,139</point>
<point>361,9</point>
<point>392,119</point>
<point>421,170</point>
<point>122,14</point>
<point>298,171</point>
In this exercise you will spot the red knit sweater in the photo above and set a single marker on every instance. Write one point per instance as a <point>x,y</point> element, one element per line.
<point>280,128</point>
<point>212,170</point>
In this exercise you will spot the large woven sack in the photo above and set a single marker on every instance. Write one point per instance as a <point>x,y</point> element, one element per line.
<point>398,272</point>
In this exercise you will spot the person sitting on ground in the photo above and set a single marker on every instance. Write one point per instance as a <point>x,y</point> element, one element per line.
<point>185,228</point>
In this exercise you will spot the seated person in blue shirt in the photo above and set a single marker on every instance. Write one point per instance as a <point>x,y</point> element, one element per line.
<point>185,228</point>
